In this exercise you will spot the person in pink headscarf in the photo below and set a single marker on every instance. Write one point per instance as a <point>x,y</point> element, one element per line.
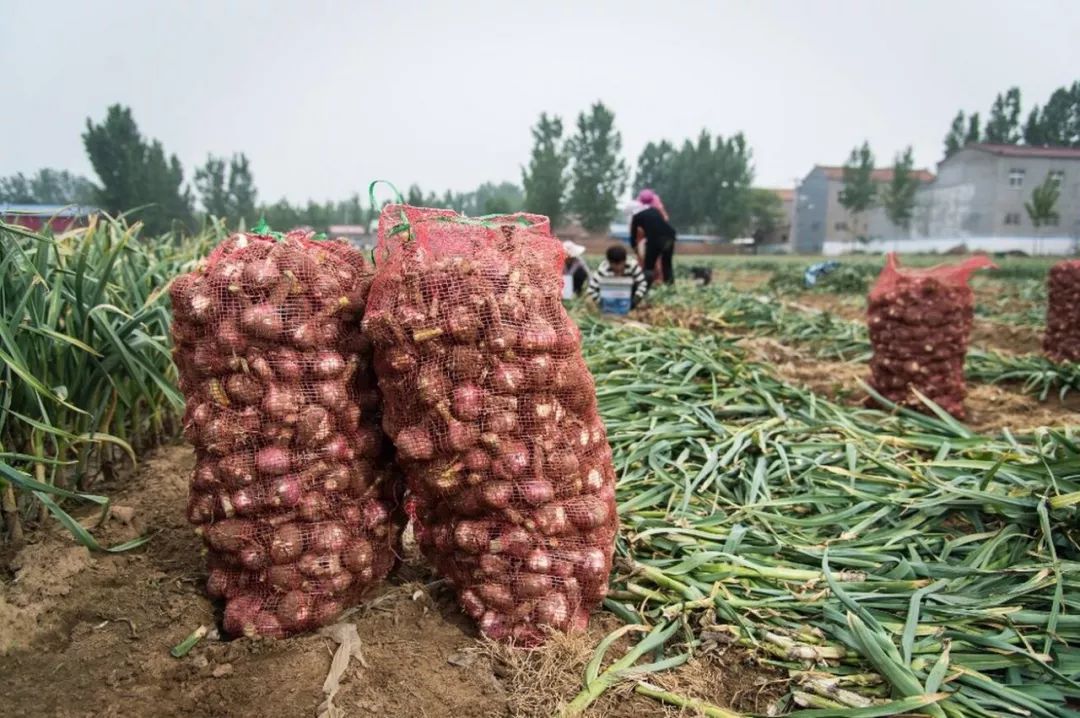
<point>653,236</point>
<point>649,198</point>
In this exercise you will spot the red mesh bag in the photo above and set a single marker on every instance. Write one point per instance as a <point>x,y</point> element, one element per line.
<point>1062,340</point>
<point>494,416</point>
<point>293,491</point>
<point>919,321</point>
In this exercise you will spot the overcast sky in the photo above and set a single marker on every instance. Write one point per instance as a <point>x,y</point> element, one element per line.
<point>326,96</point>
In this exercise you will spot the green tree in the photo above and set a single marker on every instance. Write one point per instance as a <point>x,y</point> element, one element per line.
<point>899,196</point>
<point>599,173</point>
<point>1042,209</point>
<point>16,189</point>
<point>415,196</point>
<point>732,175</point>
<point>766,211</point>
<point>490,198</point>
<point>136,173</point>
<point>210,183</point>
<point>1034,133</point>
<point>281,215</point>
<point>974,134</point>
<point>545,178</point>
<point>242,193</point>
<point>955,139</point>
<point>859,189</point>
<point>1057,124</point>
<point>705,184</point>
<point>48,186</point>
<point>1003,126</point>
<point>654,165</point>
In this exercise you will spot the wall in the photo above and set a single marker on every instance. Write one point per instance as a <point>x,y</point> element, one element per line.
<point>1052,246</point>
<point>811,213</point>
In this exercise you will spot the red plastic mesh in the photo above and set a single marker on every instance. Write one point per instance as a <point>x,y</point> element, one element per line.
<point>919,321</point>
<point>293,490</point>
<point>493,413</point>
<point>1062,340</point>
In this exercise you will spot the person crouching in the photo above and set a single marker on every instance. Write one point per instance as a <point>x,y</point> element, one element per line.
<point>617,263</point>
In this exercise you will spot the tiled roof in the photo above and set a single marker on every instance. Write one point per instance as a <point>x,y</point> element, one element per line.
<point>785,194</point>
<point>1063,153</point>
<point>46,210</point>
<point>881,174</point>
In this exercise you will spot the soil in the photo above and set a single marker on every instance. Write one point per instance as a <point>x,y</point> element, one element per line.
<point>86,634</point>
<point>987,335</point>
<point>990,408</point>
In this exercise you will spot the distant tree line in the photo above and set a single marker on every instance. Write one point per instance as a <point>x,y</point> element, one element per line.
<point>136,176</point>
<point>705,185</point>
<point>1054,124</point>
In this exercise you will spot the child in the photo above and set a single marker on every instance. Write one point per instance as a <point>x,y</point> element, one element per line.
<point>618,263</point>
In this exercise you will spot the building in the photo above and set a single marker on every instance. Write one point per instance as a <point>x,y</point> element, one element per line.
<point>37,217</point>
<point>820,219</point>
<point>976,202</point>
<point>358,234</point>
<point>782,234</point>
<point>981,191</point>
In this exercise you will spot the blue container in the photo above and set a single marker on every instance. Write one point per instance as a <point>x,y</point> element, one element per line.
<point>615,294</point>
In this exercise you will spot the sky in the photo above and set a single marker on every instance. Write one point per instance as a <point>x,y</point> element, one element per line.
<point>324,97</point>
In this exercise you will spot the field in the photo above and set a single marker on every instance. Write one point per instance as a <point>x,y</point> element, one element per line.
<point>783,548</point>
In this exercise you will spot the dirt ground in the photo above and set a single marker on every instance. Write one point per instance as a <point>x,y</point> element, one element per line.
<point>990,408</point>
<point>985,334</point>
<point>89,635</point>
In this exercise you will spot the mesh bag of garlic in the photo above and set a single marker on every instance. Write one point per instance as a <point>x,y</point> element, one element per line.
<point>494,416</point>
<point>919,321</point>
<point>1062,340</point>
<point>294,487</point>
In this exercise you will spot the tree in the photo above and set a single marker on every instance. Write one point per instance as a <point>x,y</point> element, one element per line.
<point>973,135</point>
<point>490,198</point>
<point>48,186</point>
<point>766,211</point>
<point>1034,133</point>
<point>654,165</point>
<point>955,139</point>
<point>135,173</point>
<point>1003,127</point>
<point>1057,124</point>
<point>210,184</point>
<point>1042,207</point>
<point>16,189</point>
<point>242,193</point>
<point>859,189</point>
<point>899,196</point>
<point>705,184</point>
<point>599,173</point>
<point>415,196</point>
<point>227,192</point>
<point>545,178</point>
<point>731,177</point>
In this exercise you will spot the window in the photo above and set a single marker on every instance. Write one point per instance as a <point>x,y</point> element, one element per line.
<point>1016,178</point>
<point>1057,177</point>
<point>1012,218</point>
<point>840,226</point>
<point>1051,222</point>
